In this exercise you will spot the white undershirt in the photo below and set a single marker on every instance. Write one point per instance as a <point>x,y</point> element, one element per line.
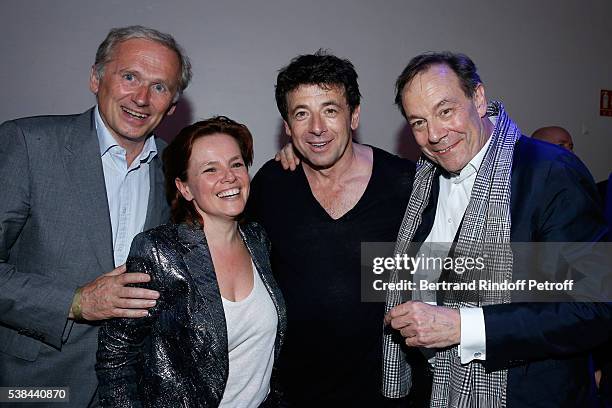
<point>251,332</point>
<point>453,199</point>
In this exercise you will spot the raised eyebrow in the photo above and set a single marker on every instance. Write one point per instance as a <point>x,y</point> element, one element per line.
<point>330,103</point>
<point>154,81</point>
<point>444,102</point>
<point>128,71</point>
<point>437,106</point>
<point>211,162</point>
<point>207,163</point>
<point>162,82</point>
<point>413,117</point>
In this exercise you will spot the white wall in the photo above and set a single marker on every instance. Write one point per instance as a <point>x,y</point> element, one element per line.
<point>547,60</point>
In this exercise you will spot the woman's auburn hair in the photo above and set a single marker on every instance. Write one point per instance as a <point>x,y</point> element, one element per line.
<point>176,160</point>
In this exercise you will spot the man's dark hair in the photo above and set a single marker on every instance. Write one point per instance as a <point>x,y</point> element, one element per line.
<point>461,65</point>
<point>320,68</point>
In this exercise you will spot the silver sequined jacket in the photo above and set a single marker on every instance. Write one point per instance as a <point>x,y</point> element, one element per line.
<point>177,357</point>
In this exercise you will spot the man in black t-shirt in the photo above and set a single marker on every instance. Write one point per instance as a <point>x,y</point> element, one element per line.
<point>316,217</point>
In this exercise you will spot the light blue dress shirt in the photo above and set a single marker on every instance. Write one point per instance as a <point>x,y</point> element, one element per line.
<point>127,188</point>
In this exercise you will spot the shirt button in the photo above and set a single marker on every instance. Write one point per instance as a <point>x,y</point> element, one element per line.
<point>450,221</point>
<point>478,354</point>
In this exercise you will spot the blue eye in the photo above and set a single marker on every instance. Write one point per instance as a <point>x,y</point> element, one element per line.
<point>159,88</point>
<point>128,77</point>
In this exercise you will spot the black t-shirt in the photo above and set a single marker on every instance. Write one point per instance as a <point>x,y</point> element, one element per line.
<point>333,349</point>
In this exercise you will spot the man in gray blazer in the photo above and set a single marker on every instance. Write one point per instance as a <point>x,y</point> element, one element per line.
<point>75,190</point>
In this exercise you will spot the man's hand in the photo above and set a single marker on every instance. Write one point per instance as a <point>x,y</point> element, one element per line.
<point>425,325</point>
<point>108,296</point>
<point>287,157</point>
<point>597,378</point>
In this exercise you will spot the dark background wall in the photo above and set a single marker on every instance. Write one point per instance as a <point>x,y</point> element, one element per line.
<point>546,60</point>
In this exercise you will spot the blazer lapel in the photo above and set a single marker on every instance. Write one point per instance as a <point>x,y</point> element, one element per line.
<point>208,307</point>
<point>156,207</point>
<point>429,213</point>
<point>84,167</point>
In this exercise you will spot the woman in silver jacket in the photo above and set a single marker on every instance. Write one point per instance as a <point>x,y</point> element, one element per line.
<point>213,336</point>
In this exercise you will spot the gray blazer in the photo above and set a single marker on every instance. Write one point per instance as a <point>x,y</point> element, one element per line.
<point>55,235</point>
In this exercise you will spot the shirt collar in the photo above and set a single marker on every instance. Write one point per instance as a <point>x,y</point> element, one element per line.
<point>107,141</point>
<point>474,164</point>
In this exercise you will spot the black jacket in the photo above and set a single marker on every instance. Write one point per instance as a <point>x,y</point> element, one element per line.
<point>545,345</point>
<point>178,355</point>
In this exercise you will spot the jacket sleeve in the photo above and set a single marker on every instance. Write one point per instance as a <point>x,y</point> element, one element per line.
<point>517,333</point>
<point>34,304</point>
<point>119,364</point>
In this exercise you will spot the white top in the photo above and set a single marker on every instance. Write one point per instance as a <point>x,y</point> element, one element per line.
<point>251,332</point>
<point>453,199</point>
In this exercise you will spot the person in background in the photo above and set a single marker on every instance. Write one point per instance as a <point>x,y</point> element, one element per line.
<point>555,135</point>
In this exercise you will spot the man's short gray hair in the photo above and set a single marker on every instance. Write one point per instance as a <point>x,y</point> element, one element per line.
<point>119,35</point>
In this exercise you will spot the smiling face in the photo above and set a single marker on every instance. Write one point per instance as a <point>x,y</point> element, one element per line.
<point>217,178</point>
<point>136,89</point>
<point>320,124</point>
<point>449,127</point>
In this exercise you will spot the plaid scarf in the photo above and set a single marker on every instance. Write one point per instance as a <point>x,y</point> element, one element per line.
<point>485,231</point>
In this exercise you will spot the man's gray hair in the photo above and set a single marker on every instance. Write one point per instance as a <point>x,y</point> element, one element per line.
<point>119,35</point>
